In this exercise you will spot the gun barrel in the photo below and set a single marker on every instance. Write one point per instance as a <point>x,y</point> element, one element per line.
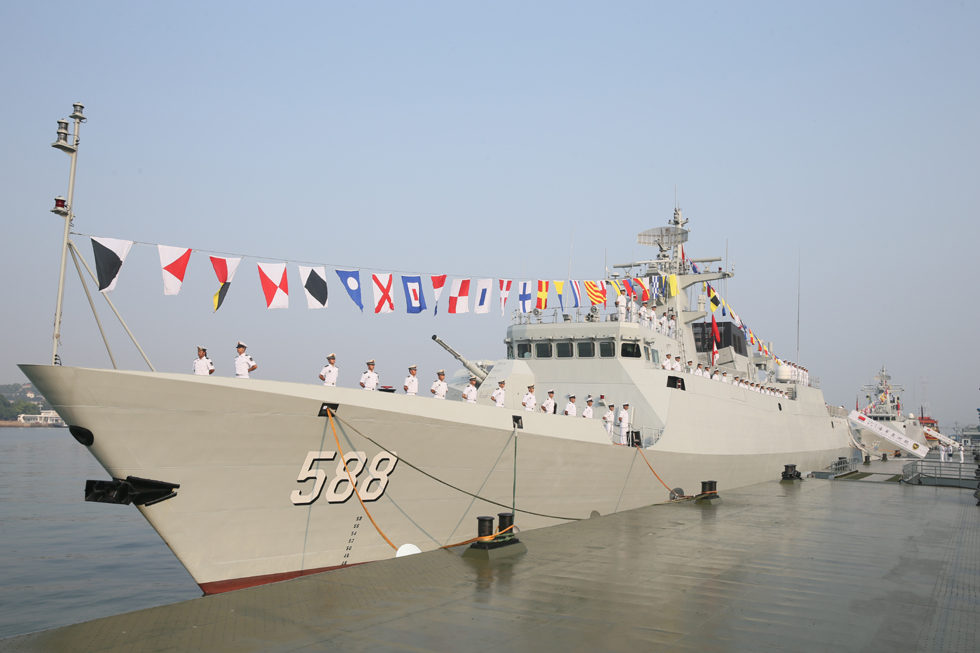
<point>474,369</point>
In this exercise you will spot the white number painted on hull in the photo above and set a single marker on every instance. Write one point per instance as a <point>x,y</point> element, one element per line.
<point>340,489</point>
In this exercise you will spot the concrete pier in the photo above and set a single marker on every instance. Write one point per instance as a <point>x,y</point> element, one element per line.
<point>813,566</point>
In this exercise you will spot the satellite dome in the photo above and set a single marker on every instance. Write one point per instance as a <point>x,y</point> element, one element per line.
<point>783,374</point>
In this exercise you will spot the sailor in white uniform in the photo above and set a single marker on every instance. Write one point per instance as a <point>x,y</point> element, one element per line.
<point>609,417</point>
<point>243,362</point>
<point>716,376</point>
<point>677,364</point>
<point>548,405</point>
<point>724,377</point>
<point>529,402</point>
<point>440,388</point>
<point>621,307</point>
<point>961,454</point>
<point>700,370</point>
<point>672,327</point>
<point>202,365</point>
<point>498,395</point>
<point>469,394</point>
<point>570,408</point>
<point>370,379</point>
<point>330,372</point>
<point>624,425</point>
<point>667,364</point>
<point>663,323</point>
<point>587,411</point>
<point>689,368</point>
<point>411,385</point>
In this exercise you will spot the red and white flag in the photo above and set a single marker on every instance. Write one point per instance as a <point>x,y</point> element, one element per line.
<point>382,293</point>
<point>438,282</point>
<point>459,296</point>
<point>173,260</point>
<point>714,353</point>
<point>275,284</point>
<point>504,294</point>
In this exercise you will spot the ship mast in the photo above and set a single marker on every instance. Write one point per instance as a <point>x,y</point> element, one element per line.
<point>66,210</point>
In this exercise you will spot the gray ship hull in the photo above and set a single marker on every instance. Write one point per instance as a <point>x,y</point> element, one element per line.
<point>253,507</point>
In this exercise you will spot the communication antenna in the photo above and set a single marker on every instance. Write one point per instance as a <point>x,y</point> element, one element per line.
<point>570,246</point>
<point>799,275</point>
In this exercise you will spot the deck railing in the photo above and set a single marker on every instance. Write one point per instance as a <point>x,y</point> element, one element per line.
<point>934,472</point>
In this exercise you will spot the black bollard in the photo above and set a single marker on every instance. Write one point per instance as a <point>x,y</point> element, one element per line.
<point>709,494</point>
<point>484,526</point>
<point>790,473</point>
<point>505,520</point>
<point>867,459</point>
<point>884,457</point>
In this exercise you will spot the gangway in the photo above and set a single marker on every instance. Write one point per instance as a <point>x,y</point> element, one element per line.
<point>939,436</point>
<point>896,438</point>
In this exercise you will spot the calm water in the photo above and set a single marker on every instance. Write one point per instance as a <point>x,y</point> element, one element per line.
<point>63,560</point>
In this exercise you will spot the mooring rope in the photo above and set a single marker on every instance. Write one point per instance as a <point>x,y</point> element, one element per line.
<point>439,480</point>
<point>357,492</point>
<point>679,496</point>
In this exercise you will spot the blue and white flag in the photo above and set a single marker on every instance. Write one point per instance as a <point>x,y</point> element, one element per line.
<point>483,294</point>
<point>352,284</point>
<point>414,299</point>
<point>655,287</point>
<point>526,297</point>
<point>576,293</point>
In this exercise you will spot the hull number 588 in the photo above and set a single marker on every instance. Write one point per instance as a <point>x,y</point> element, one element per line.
<point>339,489</point>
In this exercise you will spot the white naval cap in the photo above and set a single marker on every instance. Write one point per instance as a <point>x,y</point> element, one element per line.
<point>331,356</point>
<point>241,344</point>
<point>370,362</point>
<point>443,372</point>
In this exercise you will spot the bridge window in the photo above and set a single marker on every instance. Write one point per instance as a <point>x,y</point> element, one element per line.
<point>630,350</point>
<point>564,350</point>
<point>542,350</point>
<point>607,349</point>
<point>523,350</point>
<point>586,349</point>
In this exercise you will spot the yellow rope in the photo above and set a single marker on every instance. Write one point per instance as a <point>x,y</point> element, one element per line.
<point>356,492</point>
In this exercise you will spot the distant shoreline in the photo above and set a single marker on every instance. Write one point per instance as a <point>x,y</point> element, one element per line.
<point>23,425</point>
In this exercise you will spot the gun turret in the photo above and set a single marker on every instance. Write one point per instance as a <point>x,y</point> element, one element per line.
<point>473,368</point>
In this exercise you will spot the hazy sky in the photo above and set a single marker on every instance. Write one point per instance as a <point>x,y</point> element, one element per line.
<point>472,139</point>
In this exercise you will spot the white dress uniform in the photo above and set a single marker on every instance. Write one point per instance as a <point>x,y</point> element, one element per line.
<point>242,364</point>
<point>498,397</point>
<point>548,406</point>
<point>716,377</point>
<point>624,426</point>
<point>587,412</point>
<point>203,366</point>
<point>961,454</point>
<point>608,420</point>
<point>672,325</point>
<point>725,379</point>
<point>413,385</point>
<point>370,380</point>
<point>529,402</point>
<point>663,324</point>
<point>330,373</point>
<point>571,410</point>
<point>441,388</point>
<point>469,394</point>
<point>668,364</point>
<point>677,365</point>
<point>699,372</point>
<point>621,307</point>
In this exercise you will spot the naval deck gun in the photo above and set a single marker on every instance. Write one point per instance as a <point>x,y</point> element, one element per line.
<point>474,369</point>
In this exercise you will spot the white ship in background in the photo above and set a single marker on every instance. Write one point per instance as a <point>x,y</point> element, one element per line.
<point>885,406</point>
<point>244,479</point>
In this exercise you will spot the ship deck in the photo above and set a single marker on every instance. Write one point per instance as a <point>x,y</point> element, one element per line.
<point>822,565</point>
